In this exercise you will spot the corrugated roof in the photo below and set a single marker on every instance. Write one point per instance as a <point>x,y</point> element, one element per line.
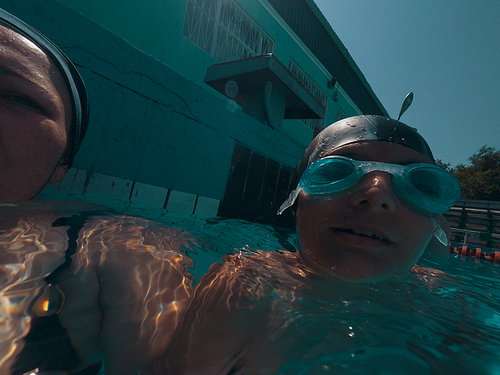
<point>311,26</point>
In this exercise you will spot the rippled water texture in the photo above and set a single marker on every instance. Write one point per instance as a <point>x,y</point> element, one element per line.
<point>278,318</point>
<point>124,287</point>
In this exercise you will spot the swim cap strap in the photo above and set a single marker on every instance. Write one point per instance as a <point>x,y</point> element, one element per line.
<point>290,201</point>
<point>441,235</point>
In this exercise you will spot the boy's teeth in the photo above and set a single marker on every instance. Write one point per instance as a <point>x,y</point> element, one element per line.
<point>360,232</point>
<point>355,231</point>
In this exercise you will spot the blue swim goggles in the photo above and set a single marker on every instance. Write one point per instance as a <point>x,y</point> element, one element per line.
<point>427,187</point>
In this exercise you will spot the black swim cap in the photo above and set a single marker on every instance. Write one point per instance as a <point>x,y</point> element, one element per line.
<point>352,130</point>
<point>76,86</point>
<point>360,129</point>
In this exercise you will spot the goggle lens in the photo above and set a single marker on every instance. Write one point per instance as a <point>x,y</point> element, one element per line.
<point>326,173</point>
<point>429,183</point>
<point>426,186</point>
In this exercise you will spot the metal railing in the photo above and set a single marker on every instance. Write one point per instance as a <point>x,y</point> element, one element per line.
<point>475,222</point>
<point>465,236</point>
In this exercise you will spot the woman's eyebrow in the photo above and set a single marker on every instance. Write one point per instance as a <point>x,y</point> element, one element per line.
<point>24,75</point>
<point>21,74</point>
<point>39,88</point>
<point>10,72</point>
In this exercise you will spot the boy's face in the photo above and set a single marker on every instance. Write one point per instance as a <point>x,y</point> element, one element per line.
<point>34,110</point>
<point>335,233</point>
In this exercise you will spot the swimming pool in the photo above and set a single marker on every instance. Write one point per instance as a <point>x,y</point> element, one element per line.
<point>443,320</point>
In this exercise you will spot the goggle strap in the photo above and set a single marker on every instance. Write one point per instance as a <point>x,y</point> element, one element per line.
<point>441,235</point>
<point>290,201</point>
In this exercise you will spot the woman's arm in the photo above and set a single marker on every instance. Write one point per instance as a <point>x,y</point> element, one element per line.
<point>125,290</point>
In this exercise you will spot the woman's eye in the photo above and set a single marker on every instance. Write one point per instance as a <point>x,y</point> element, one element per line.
<point>24,100</point>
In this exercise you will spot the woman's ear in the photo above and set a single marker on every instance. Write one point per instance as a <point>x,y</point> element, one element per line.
<point>58,174</point>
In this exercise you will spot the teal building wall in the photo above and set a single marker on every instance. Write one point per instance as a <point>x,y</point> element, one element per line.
<point>156,27</point>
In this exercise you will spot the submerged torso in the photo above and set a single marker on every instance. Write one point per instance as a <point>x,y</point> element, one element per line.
<point>69,302</point>
<point>266,313</point>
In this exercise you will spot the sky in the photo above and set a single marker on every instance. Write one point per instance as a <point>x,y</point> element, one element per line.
<point>447,52</point>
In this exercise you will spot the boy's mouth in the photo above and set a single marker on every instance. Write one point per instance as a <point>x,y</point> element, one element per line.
<point>375,236</point>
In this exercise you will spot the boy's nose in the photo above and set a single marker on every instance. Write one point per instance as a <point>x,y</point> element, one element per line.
<point>375,191</point>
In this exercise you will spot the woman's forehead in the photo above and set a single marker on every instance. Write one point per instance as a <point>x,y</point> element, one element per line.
<point>12,37</point>
<point>382,151</point>
<point>19,53</point>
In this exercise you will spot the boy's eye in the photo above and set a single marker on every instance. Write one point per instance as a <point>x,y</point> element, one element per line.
<point>24,100</point>
<point>332,173</point>
<point>427,183</point>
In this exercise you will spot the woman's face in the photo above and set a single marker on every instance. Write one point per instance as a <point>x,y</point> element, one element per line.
<point>34,110</point>
<point>337,234</point>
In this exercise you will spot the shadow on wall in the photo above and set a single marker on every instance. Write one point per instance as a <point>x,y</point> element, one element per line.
<point>256,188</point>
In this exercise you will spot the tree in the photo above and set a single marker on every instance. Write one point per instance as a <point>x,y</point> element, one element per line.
<point>445,166</point>
<point>481,179</point>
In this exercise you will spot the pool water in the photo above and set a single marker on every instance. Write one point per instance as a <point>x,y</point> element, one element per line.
<point>444,317</point>
<point>443,320</point>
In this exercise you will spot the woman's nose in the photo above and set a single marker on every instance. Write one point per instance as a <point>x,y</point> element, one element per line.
<point>375,191</point>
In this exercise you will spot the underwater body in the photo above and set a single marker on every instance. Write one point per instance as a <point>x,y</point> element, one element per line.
<point>442,317</point>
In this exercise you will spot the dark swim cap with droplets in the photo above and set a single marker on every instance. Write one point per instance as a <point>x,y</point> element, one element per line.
<point>75,84</point>
<point>352,130</point>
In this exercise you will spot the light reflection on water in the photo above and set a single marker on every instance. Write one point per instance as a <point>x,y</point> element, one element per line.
<point>123,269</point>
<point>446,321</point>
